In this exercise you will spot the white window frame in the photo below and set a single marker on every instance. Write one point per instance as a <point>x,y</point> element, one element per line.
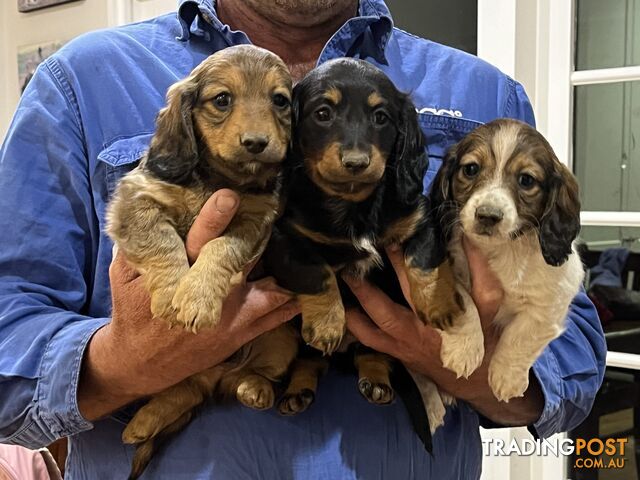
<point>563,78</point>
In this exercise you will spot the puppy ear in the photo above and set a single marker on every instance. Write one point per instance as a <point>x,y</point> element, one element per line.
<point>441,192</point>
<point>560,223</point>
<point>411,160</point>
<point>296,107</point>
<point>441,201</point>
<point>174,152</point>
<point>296,94</point>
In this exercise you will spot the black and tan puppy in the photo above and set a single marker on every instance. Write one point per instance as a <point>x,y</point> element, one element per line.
<point>358,161</point>
<point>227,125</point>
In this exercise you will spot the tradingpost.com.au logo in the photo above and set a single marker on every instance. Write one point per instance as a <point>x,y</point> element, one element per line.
<point>588,453</point>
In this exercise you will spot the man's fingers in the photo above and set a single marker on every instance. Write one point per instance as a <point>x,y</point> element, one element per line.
<point>380,308</point>
<point>277,317</point>
<point>486,290</point>
<point>120,272</point>
<point>255,300</point>
<point>396,257</point>
<point>211,222</point>
<point>367,333</point>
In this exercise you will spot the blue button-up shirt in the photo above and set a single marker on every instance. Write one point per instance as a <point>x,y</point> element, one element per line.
<point>85,119</point>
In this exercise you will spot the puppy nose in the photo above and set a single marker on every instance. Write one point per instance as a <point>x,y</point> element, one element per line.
<point>355,161</point>
<point>254,142</point>
<point>489,216</point>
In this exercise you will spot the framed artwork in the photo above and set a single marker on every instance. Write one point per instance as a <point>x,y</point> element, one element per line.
<point>30,56</point>
<point>29,5</point>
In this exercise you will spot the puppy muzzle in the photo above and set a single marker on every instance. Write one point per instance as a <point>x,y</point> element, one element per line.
<point>490,213</point>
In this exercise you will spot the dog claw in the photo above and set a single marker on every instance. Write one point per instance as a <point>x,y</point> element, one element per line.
<point>326,340</point>
<point>295,403</point>
<point>377,393</point>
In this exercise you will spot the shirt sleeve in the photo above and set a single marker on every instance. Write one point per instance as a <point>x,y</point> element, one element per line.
<point>571,368</point>
<point>48,237</point>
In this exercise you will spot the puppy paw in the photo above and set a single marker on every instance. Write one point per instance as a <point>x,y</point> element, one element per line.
<point>433,400</point>
<point>324,330</point>
<point>161,303</point>
<point>293,403</point>
<point>441,313</point>
<point>507,381</point>
<point>436,412</point>
<point>198,304</point>
<point>461,353</point>
<point>325,338</point>
<point>143,426</point>
<point>447,399</point>
<point>434,295</point>
<point>374,392</point>
<point>256,392</point>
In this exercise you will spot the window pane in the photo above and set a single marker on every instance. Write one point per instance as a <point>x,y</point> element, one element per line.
<point>606,150</point>
<point>607,33</point>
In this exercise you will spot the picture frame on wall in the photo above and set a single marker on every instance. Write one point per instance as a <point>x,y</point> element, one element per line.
<point>30,5</point>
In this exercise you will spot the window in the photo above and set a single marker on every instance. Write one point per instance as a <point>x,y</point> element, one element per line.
<point>606,122</point>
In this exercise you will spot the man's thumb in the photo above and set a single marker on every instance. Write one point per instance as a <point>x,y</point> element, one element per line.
<point>211,222</point>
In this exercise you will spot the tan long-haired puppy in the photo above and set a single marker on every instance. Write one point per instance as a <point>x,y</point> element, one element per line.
<point>227,125</point>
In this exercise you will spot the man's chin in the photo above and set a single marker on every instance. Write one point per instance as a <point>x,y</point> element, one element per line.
<point>301,13</point>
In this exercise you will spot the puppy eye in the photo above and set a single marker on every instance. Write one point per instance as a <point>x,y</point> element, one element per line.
<point>470,170</point>
<point>380,117</point>
<point>526,181</point>
<point>323,114</point>
<point>280,100</point>
<point>222,101</point>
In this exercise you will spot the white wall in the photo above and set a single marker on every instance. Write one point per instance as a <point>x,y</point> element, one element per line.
<point>143,9</point>
<point>21,29</point>
<point>61,23</point>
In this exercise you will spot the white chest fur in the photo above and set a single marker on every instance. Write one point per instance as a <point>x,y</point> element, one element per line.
<point>373,258</point>
<point>527,280</point>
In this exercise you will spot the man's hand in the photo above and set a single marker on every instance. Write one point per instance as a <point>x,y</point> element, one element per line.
<point>396,330</point>
<point>136,355</point>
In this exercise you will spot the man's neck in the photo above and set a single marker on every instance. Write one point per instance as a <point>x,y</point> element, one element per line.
<point>299,47</point>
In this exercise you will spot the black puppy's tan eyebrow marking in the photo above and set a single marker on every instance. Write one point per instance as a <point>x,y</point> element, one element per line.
<point>374,99</point>
<point>334,95</point>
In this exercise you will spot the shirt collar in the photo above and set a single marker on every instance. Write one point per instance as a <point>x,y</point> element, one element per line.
<point>374,18</point>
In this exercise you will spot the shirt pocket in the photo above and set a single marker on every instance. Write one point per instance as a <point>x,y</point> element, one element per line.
<point>441,133</point>
<point>122,155</point>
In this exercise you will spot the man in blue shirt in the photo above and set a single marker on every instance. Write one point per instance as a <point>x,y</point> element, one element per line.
<point>69,363</point>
